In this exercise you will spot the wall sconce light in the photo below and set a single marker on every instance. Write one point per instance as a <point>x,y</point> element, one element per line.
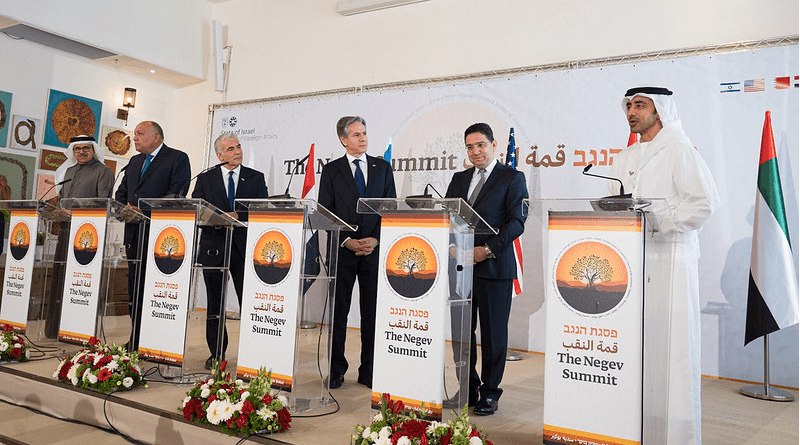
<point>128,101</point>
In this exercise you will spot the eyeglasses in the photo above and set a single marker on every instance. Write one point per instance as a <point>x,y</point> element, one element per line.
<point>86,149</point>
<point>479,146</point>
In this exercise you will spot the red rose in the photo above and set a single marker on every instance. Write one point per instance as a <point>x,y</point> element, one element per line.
<point>267,399</point>
<point>223,365</point>
<point>189,409</point>
<point>231,422</point>
<point>15,352</point>
<point>103,374</point>
<point>93,341</point>
<point>242,420</point>
<point>105,360</point>
<point>489,442</point>
<point>212,397</point>
<point>414,428</point>
<point>445,440</point>
<point>62,374</point>
<point>284,418</point>
<point>398,407</point>
<point>7,327</point>
<point>474,433</point>
<point>247,407</point>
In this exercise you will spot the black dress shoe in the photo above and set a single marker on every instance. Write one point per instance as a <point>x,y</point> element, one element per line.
<point>208,363</point>
<point>336,381</point>
<point>485,407</point>
<point>365,380</point>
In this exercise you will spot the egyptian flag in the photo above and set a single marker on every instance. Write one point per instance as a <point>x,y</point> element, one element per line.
<point>772,298</point>
<point>312,266</point>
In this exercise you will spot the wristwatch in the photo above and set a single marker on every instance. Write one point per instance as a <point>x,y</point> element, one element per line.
<point>489,253</point>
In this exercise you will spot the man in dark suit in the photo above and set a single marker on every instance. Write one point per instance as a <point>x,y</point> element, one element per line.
<point>495,192</point>
<point>342,183</point>
<point>220,186</point>
<point>156,172</point>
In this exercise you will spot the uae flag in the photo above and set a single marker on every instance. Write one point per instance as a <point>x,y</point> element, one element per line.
<point>772,298</point>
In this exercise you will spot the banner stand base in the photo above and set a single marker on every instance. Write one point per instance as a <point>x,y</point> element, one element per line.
<point>767,393</point>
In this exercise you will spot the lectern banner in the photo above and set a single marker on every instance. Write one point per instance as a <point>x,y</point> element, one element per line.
<point>270,299</point>
<point>410,322</point>
<point>165,306</point>
<point>21,250</point>
<point>84,271</point>
<point>593,358</point>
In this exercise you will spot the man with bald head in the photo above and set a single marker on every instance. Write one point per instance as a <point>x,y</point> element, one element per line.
<point>157,171</point>
<point>665,164</point>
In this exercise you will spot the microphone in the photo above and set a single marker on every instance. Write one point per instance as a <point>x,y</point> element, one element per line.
<point>423,201</point>
<point>119,175</point>
<point>183,190</point>
<point>286,194</point>
<point>52,187</point>
<point>621,186</point>
<point>425,193</point>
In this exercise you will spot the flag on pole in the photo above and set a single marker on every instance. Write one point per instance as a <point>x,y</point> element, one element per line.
<point>387,155</point>
<point>511,161</point>
<point>312,266</point>
<point>772,297</point>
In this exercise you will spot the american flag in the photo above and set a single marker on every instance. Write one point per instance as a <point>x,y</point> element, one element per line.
<point>511,161</point>
<point>753,85</point>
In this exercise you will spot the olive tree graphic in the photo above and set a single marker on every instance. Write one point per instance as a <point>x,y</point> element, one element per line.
<point>86,239</point>
<point>591,269</point>
<point>19,237</point>
<point>411,260</point>
<point>170,245</point>
<point>272,252</point>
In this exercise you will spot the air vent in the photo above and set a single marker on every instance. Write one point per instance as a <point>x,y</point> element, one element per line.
<point>54,41</point>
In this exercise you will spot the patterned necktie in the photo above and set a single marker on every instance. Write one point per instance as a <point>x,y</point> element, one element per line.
<point>360,184</point>
<point>478,187</point>
<point>146,164</point>
<point>231,189</point>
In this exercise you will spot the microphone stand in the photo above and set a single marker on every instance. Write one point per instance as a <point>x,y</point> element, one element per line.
<point>286,194</point>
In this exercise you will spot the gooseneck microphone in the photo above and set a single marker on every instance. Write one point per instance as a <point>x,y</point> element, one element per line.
<point>425,193</point>
<point>286,194</point>
<point>183,190</point>
<point>54,186</point>
<point>621,186</point>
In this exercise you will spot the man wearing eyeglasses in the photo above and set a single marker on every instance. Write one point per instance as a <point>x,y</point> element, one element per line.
<point>86,174</point>
<point>495,192</point>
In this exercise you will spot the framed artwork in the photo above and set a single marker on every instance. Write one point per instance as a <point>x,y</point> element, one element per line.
<point>51,159</point>
<point>26,132</point>
<point>117,141</point>
<point>16,176</point>
<point>68,116</point>
<point>45,189</point>
<point>112,164</point>
<point>5,117</point>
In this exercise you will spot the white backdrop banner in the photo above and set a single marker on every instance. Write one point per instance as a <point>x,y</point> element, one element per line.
<point>564,120</point>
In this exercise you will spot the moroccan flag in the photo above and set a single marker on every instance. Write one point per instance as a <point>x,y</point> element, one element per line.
<point>312,266</point>
<point>772,298</point>
<point>511,161</point>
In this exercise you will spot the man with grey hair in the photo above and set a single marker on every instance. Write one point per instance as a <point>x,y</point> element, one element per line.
<point>664,164</point>
<point>343,182</point>
<point>221,186</point>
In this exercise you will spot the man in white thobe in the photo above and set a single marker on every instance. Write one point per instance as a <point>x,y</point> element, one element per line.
<point>664,164</point>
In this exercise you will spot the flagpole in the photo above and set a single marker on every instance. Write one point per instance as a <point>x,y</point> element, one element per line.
<point>765,391</point>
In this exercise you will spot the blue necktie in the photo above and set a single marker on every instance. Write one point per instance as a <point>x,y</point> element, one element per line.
<point>146,164</point>
<point>360,184</point>
<point>231,189</point>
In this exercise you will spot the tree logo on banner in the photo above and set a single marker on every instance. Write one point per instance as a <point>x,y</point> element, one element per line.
<point>19,240</point>
<point>85,245</point>
<point>169,250</point>
<point>592,278</point>
<point>411,266</point>
<point>272,257</point>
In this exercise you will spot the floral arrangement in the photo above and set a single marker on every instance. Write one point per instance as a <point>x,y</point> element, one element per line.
<point>237,407</point>
<point>395,425</point>
<point>13,346</point>
<point>101,367</point>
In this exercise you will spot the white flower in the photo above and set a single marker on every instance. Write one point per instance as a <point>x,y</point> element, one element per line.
<point>136,367</point>
<point>265,413</point>
<point>475,440</point>
<point>225,409</point>
<point>239,382</point>
<point>3,346</point>
<point>213,412</point>
<point>405,441</point>
<point>205,392</point>
<point>28,354</point>
<point>127,382</point>
<point>72,373</point>
<point>378,417</point>
<point>383,441</point>
<point>385,432</point>
<point>112,365</point>
<point>74,381</point>
<point>97,358</point>
<point>91,378</point>
<point>222,394</point>
<point>17,345</point>
<point>283,400</point>
<point>210,382</point>
<point>185,401</point>
<point>245,395</point>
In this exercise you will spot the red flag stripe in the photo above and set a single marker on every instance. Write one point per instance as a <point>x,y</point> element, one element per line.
<point>767,140</point>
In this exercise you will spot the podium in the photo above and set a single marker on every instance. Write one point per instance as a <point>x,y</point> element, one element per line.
<point>92,271</point>
<point>424,297</point>
<point>26,303</point>
<point>172,332</point>
<point>607,276</point>
<point>289,281</point>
